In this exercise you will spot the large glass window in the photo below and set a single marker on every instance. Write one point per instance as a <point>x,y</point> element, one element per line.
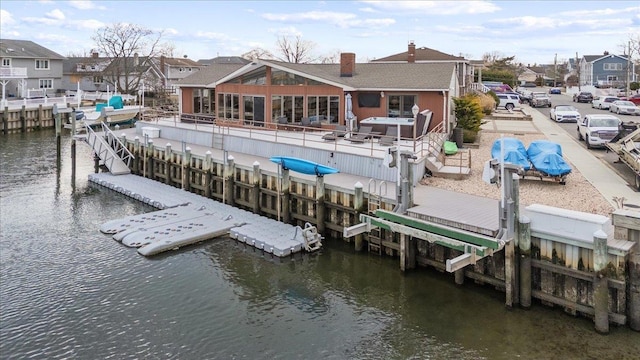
<point>279,77</point>
<point>229,106</point>
<point>256,77</point>
<point>42,64</point>
<point>400,105</point>
<point>291,107</point>
<point>323,108</point>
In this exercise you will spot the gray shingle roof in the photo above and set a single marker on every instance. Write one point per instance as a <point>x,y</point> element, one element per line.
<point>26,49</point>
<point>422,54</point>
<point>410,76</point>
<point>209,74</point>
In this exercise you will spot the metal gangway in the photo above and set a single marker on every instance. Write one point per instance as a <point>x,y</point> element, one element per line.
<point>111,151</point>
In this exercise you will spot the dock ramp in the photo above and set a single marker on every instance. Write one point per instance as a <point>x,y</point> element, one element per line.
<point>111,151</point>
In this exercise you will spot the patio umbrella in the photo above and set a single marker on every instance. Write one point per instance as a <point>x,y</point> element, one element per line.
<point>349,112</point>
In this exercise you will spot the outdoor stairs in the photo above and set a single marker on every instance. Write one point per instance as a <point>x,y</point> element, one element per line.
<point>457,166</point>
<point>111,151</point>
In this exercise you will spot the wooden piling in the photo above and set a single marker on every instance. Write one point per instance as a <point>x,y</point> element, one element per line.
<point>186,169</point>
<point>509,273</point>
<point>23,119</point>
<point>149,160</point>
<point>633,301</point>
<point>403,251</point>
<point>320,204</point>
<point>136,155</point>
<point>255,189</point>
<point>358,205</point>
<point>5,120</point>
<point>167,164</point>
<point>207,174</point>
<point>600,282</point>
<point>286,197</point>
<point>524,244</point>
<point>229,172</point>
<point>458,276</point>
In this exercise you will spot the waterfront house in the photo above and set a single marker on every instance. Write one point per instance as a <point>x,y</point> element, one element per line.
<point>28,69</point>
<point>607,70</point>
<point>85,73</point>
<point>267,92</point>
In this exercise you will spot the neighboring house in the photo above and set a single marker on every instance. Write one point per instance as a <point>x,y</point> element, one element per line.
<point>27,66</point>
<point>85,73</point>
<point>529,74</point>
<point>424,55</point>
<point>261,92</point>
<point>128,74</point>
<point>606,70</point>
<point>225,60</point>
<point>172,70</point>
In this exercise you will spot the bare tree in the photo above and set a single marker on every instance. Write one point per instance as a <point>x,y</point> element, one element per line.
<point>130,49</point>
<point>257,53</point>
<point>294,50</point>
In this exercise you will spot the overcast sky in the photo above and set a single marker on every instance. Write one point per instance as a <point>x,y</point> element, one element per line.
<point>533,31</point>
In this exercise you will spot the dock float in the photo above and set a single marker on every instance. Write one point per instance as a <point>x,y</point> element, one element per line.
<point>186,218</point>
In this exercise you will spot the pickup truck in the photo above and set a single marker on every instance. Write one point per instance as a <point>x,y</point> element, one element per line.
<point>540,99</point>
<point>628,150</point>
<point>598,129</point>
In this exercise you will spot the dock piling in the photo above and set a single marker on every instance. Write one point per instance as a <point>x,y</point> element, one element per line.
<point>600,282</point>
<point>524,243</point>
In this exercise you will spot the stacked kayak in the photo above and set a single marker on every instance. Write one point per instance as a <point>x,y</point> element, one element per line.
<point>514,152</point>
<point>546,157</point>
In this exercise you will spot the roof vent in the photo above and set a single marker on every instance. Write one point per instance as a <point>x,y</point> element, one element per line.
<point>10,50</point>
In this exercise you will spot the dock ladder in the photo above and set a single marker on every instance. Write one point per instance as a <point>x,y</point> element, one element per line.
<point>111,151</point>
<point>374,199</point>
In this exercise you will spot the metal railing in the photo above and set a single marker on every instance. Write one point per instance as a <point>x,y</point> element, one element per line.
<point>118,147</point>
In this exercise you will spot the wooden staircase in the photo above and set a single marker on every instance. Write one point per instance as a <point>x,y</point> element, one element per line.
<point>457,166</point>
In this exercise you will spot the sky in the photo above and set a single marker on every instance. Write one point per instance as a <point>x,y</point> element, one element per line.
<point>535,32</point>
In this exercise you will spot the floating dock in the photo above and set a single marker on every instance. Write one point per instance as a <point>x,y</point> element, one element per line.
<point>186,218</point>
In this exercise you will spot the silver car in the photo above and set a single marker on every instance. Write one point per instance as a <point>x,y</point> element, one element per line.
<point>603,102</point>
<point>624,107</point>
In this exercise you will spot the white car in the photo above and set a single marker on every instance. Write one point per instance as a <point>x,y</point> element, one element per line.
<point>603,102</point>
<point>564,113</point>
<point>624,107</point>
<point>508,101</point>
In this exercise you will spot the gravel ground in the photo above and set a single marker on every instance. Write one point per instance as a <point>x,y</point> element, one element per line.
<point>578,194</point>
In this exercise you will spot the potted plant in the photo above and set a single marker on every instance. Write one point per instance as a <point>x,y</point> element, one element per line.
<point>469,114</point>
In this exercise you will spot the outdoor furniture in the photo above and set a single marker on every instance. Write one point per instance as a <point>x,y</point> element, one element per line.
<point>389,137</point>
<point>305,122</point>
<point>362,135</point>
<point>340,131</point>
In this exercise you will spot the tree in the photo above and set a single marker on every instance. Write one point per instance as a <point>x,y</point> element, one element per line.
<point>295,50</point>
<point>129,48</point>
<point>257,53</point>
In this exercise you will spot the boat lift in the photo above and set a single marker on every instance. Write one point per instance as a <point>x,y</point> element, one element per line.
<point>474,246</point>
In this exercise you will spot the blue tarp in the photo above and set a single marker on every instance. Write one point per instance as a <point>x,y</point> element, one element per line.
<point>514,152</point>
<point>116,102</point>
<point>546,157</point>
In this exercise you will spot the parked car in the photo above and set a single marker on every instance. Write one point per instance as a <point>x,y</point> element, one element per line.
<point>555,91</point>
<point>598,129</point>
<point>633,98</point>
<point>603,102</point>
<point>583,96</point>
<point>564,113</point>
<point>529,85</point>
<point>624,107</point>
<point>540,99</point>
<point>508,101</point>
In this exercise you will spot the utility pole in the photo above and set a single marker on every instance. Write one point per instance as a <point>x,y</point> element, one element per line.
<point>578,70</point>
<point>555,70</point>
<point>627,88</point>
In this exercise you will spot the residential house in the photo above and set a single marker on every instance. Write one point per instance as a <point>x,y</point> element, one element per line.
<point>607,70</point>
<point>85,73</point>
<point>263,91</point>
<point>423,55</point>
<point>171,70</point>
<point>29,69</point>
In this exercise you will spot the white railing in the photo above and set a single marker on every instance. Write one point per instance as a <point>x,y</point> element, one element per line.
<point>61,101</point>
<point>11,72</point>
<point>479,87</point>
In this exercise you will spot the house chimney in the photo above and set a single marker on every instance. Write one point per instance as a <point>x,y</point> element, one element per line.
<point>347,64</point>
<point>95,54</point>
<point>411,57</point>
<point>135,59</point>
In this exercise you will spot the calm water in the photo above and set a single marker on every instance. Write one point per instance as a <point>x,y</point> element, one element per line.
<point>69,292</point>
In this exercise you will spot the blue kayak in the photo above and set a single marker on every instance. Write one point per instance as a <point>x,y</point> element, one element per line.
<point>546,157</point>
<point>514,152</point>
<point>303,166</point>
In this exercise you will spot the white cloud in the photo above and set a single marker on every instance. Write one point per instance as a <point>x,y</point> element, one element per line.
<point>600,12</point>
<point>6,18</point>
<point>286,31</point>
<point>55,14</point>
<point>340,19</point>
<point>434,7</point>
<point>212,36</point>
<point>85,5</point>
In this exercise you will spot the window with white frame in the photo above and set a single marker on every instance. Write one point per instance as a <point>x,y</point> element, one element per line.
<point>6,62</point>
<point>612,66</point>
<point>42,64</point>
<point>45,83</point>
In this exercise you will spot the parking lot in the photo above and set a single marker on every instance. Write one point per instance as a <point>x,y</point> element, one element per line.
<point>604,155</point>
